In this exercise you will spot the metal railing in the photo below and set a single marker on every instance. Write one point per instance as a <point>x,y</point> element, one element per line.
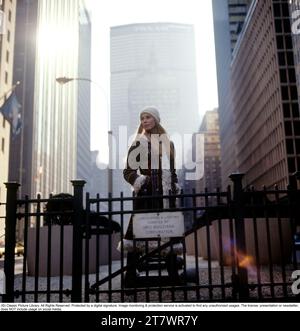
<point>241,246</point>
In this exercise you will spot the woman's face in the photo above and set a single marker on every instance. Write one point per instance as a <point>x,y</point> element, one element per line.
<point>148,122</point>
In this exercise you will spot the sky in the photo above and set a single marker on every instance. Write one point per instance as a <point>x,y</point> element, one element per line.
<point>108,13</point>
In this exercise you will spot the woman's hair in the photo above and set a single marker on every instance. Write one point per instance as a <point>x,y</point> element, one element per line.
<point>159,130</point>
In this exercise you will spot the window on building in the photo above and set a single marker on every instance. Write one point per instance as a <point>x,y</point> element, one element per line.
<point>289,146</point>
<point>3,145</point>
<point>281,59</point>
<point>277,10</point>
<point>9,16</point>
<point>298,163</point>
<point>292,76</point>
<point>278,26</point>
<point>8,35</point>
<point>294,92</point>
<point>285,9</point>
<point>291,165</point>
<point>283,76</point>
<point>3,122</point>
<point>295,110</point>
<point>285,93</point>
<point>298,147</point>
<point>288,128</point>
<point>288,42</point>
<point>287,25</point>
<point>297,128</point>
<point>7,56</point>
<point>6,77</point>
<point>290,58</point>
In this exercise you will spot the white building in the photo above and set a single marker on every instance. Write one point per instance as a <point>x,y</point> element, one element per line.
<point>58,118</point>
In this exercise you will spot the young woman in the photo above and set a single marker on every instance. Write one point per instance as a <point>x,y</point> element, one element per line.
<point>150,169</point>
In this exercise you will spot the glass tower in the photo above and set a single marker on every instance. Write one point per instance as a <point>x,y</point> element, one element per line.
<point>55,123</point>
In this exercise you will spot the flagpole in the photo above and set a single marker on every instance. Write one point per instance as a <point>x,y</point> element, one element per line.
<point>4,96</point>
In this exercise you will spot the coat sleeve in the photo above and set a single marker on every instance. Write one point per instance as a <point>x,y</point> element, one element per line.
<point>172,163</point>
<point>130,175</point>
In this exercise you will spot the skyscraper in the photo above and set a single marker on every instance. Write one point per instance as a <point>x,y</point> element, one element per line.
<point>212,167</point>
<point>84,99</point>
<point>295,10</point>
<point>20,167</point>
<point>237,11</point>
<point>153,64</point>
<point>229,17</point>
<point>55,141</point>
<point>265,98</point>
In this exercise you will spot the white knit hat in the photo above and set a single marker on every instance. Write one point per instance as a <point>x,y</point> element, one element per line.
<point>152,111</point>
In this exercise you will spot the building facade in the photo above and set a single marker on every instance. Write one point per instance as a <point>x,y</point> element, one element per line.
<point>211,179</point>
<point>295,16</point>
<point>20,167</point>
<point>229,17</point>
<point>53,148</point>
<point>237,12</point>
<point>84,99</point>
<point>265,98</point>
<point>7,38</point>
<point>54,143</point>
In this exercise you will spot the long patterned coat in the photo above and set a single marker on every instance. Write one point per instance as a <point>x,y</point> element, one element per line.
<point>155,184</point>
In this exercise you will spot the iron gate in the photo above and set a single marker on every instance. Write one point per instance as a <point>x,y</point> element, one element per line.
<point>238,246</point>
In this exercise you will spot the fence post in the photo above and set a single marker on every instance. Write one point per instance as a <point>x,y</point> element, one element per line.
<point>10,240</point>
<point>240,235</point>
<point>77,240</point>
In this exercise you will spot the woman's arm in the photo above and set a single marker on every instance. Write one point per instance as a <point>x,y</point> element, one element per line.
<point>131,176</point>
<point>172,163</point>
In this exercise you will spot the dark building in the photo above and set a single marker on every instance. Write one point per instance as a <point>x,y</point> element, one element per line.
<point>20,169</point>
<point>265,98</point>
<point>54,145</point>
<point>84,100</point>
<point>229,17</point>
<point>295,16</point>
<point>211,179</point>
<point>237,12</point>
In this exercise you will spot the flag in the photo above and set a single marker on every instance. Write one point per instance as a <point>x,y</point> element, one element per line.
<point>11,111</point>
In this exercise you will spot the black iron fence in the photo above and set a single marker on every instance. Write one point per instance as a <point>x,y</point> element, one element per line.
<point>242,245</point>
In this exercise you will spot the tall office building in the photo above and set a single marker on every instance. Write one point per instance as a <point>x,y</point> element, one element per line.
<point>20,167</point>
<point>57,113</point>
<point>7,38</point>
<point>229,17</point>
<point>153,64</point>
<point>84,163</point>
<point>223,60</point>
<point>55,141</point>
<point>211,174</point>
<point>237,11</point>
<point>265,98</point>
<point>295,10</point>
<point>212,158</point>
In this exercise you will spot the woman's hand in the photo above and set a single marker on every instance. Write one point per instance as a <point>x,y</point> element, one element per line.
<point>177,189</point>
<point>139,182</point>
